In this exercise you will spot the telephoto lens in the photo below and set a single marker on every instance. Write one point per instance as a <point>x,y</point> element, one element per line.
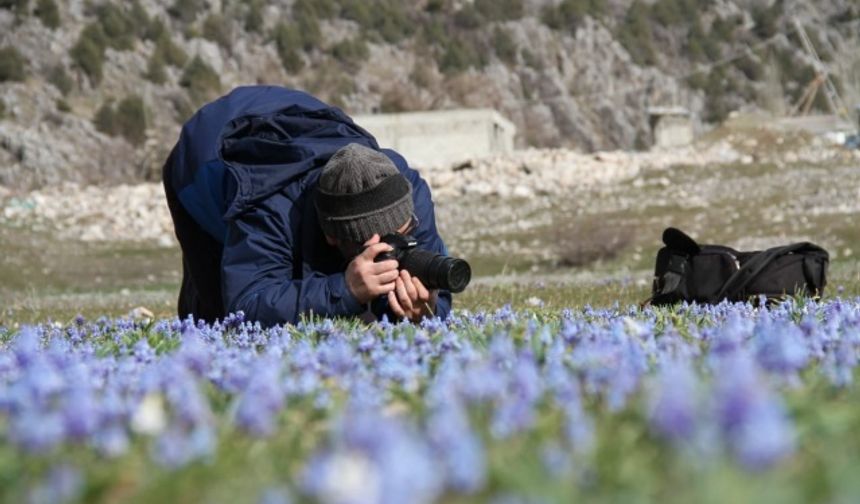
<point>437,271</point>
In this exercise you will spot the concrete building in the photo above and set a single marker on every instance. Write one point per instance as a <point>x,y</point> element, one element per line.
<point>670,126</point>
<point>441,137</point>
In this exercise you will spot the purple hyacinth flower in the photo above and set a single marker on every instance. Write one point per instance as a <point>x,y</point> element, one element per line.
<point>766,437</point>
<point>579,428</point>
<point>374,459</point>
<point>111,440</point>
<point>36,431</point>
<point>749,415</point>
<point>262,400</point>
<point>27,344</point>
<point>673,401</point>
<point>458,446</point>
<point>176,446</point>
<point>80,413</point>
<point>780,347</point>
<point>840,362</point>
<point>62,484</point>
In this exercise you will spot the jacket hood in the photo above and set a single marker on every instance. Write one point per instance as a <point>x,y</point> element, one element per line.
<point>265,153</point>
<point>250,144</point>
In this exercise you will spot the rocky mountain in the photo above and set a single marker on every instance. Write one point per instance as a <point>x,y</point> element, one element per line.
<point>95,91</point>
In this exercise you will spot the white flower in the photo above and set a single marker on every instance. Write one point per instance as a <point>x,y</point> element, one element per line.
<point>149,418</point>
<point>350,478</point>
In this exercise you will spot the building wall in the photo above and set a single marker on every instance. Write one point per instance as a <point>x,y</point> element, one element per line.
<point>441,137</point>
<point>673,131</point>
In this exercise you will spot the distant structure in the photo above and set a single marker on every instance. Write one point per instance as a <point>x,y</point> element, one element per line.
<point>670,126</point>
<point>441,137</point>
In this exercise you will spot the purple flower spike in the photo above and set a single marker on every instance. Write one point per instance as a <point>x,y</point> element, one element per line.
<point>63,484</point>
<point>673,402</point>
<point>373,460</point>
<point>261,402</point>
<point>37,431</point>
<point>766,438</point>
<point>26,344</point>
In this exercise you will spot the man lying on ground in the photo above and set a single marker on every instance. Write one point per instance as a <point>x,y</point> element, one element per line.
<point>279,202</point>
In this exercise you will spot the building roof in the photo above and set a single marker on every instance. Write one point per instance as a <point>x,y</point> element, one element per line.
<point>668,111</point>
<point>439,116</point>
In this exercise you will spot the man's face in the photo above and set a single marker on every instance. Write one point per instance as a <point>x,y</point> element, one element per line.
<point>350,249</point>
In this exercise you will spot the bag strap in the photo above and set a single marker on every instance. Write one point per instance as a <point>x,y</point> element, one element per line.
<point>752,268</point>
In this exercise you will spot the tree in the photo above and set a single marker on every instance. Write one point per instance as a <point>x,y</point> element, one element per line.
<point>130,119</point>
<point>200,80</point>
<point>218,29</point>
<point>667,12</point>
<point>48,13</point>
<point>60,79</point>
<point>317,9</point>
<point>118,27</point>
<point>570,14</point>
<point>468,18</point>
<point>19,7</point>
<point>459,55</point>
<point>751,68</point>
<point>142,20</point>
<point>635,34</point>
<point>391,21</point>
<point>287,42</point>
<point>12,65</point>
<point>155,69</point>
<point>186,10</point>
<point>504,45</point>
<point>88,52</point>
<point>766,19</point>
<point>358,11</point>
<point>351,52</point>
<point>169,52</point>
<point>254,21</point>
<point>105,119</point>
<point>308,31</point>
<point>500,10</point>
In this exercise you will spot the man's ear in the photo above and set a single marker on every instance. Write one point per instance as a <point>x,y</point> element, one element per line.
<point>331,240</point>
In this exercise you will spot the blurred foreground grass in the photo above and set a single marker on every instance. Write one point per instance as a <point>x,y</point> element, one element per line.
<point>630,463</point>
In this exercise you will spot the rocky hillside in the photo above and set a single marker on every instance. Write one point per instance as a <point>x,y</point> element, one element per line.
<point>96,90</point>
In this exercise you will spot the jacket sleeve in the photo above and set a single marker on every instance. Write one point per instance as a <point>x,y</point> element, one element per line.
<point>256,272</point>
<point>426,234</point>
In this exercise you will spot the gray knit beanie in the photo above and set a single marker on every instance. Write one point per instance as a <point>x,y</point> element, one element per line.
<point>361,192</point>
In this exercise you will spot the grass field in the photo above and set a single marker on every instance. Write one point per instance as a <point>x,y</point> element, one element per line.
<point>95,407</point>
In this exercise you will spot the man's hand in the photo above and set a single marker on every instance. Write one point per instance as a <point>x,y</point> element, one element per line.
<point>368,280</point>
<point>410,299</point>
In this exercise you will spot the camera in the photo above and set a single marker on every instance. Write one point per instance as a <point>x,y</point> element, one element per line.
<point>435,271</point>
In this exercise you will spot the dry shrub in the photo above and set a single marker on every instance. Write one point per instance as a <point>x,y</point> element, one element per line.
<point>473,90</point>
<point>582,243</point>
<point>401,98</point>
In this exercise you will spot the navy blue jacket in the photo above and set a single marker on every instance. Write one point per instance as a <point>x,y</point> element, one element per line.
<point>245,168</point>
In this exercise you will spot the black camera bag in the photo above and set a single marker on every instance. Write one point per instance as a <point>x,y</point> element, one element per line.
<point>688,271</point>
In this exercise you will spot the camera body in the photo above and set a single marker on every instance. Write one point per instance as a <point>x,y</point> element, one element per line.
<point>401,244</point>
<point>435,271</point>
